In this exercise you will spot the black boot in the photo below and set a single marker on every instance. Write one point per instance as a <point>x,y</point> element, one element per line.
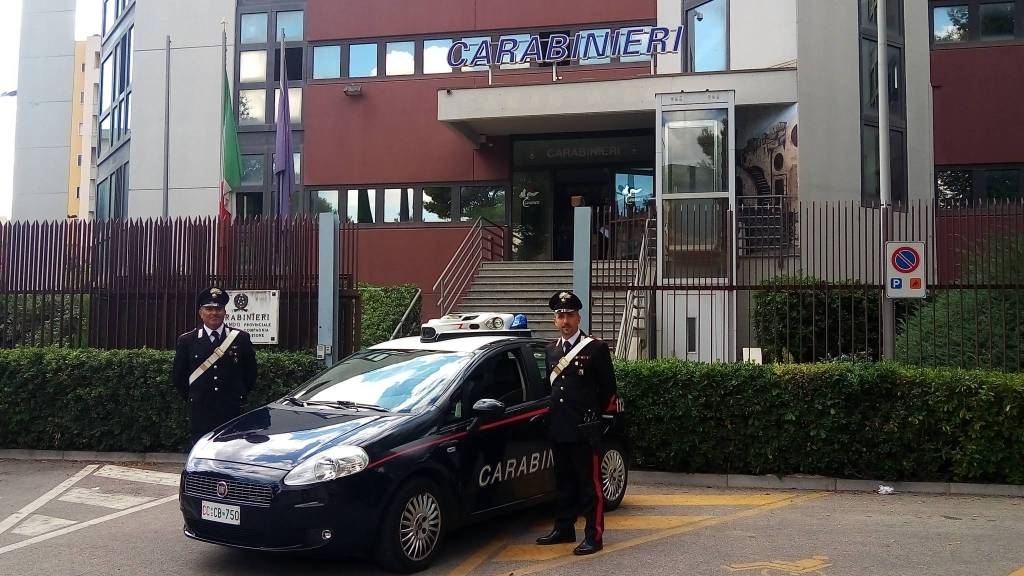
<point>556,537</point>
<point>587,547</point>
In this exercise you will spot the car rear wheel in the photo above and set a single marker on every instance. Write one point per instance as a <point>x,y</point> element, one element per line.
<point>614,474</point>
<point>413,527</point>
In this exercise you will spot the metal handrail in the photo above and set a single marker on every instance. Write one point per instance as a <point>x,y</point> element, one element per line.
<point>462,268</point>
<point>405,316</point>
<point>628,321</point>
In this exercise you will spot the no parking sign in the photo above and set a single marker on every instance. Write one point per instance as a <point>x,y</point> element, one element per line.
<point>905,272</point>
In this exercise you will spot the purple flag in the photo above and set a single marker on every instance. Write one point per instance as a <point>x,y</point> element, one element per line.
<point>284,163</point>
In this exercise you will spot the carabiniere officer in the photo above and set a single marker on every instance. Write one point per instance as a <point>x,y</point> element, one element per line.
<point>580,393</point>
<point>214,367</point>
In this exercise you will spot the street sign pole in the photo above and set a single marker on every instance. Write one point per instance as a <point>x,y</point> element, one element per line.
<point>884,179</point>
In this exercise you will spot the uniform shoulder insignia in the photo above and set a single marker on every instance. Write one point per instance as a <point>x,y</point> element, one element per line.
<point>189,333</point>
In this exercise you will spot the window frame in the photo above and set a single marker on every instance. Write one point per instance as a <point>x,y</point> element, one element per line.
<point>977,174</point>
<point>684,51</point>
<point>973,24</point>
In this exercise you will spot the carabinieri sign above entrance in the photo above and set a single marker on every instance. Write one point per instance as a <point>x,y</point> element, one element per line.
<point>638,41</point>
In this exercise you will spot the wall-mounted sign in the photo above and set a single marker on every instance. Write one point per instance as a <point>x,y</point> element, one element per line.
<point>583,151</point>
<point>256,312</point>
<point>584,45</point>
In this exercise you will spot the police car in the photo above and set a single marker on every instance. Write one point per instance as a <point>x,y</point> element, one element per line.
<point>387,451</point>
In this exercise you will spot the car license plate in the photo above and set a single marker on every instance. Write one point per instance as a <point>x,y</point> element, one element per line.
<point>222,513</point>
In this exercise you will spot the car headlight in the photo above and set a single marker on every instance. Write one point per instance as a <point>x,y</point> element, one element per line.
<point>335,462</point>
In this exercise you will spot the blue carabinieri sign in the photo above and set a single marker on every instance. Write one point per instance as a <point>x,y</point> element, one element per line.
<point>559,47</point>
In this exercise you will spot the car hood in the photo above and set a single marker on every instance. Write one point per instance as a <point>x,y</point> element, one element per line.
<point>279,437</point>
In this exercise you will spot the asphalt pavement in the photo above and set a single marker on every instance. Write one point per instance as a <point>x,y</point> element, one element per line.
<point>81,518</point>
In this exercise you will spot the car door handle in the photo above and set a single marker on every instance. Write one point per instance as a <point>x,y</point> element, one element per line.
<point>449,447</point>
<point>539,418</point>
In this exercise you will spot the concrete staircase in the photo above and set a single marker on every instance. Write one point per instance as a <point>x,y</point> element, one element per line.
<point>516,287</point>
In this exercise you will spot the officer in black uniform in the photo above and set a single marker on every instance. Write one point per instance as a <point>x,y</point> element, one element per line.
<point>579,396</point>
<point>213,378</point>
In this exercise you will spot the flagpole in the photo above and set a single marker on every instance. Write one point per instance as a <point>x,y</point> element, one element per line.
<point>167,124</point>
<point>221,200</point>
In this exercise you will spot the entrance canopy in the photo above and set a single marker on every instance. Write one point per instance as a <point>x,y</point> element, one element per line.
<point>595,106</point>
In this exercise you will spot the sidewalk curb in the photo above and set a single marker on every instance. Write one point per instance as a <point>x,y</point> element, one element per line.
<point>806,482</point>
<point>737,481</point>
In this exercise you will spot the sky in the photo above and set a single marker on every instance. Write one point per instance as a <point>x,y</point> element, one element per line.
<point>87,21</point>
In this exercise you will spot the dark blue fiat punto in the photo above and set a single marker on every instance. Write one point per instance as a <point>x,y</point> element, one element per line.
<point>387,451</point>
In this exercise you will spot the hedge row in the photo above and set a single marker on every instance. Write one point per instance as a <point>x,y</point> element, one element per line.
<point>118,400</point>
<point>382,310</point>
<point>851,420</point>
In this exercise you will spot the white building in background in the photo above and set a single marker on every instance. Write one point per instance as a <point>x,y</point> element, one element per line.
<point>133,92</point>
<point>46,63</point>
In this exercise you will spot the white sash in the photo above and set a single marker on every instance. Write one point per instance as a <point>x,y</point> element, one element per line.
<point>217,353</point>
<point>564,362</point>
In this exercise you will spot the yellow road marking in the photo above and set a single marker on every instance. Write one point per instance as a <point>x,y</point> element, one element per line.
<point>805,566</point>
<point>703,499</point>
<point>534,553</point>
<point>471,563</point>
<point>609,548</point>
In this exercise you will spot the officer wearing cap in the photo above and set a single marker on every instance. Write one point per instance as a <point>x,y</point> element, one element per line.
<point>214,366</point>
<point>582,386</point>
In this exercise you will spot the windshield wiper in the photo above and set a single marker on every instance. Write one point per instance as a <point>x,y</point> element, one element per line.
<point>349,404</point>
<point>294,400</point>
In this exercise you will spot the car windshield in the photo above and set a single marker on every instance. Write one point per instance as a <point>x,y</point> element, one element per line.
<point>396,380</point>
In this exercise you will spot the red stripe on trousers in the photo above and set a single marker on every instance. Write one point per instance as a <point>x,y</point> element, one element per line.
<point>599,492</point>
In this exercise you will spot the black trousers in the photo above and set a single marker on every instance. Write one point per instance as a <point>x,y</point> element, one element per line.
<point>577,473</point>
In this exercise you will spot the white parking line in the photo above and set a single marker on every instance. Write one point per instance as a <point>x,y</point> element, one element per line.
<point>38,502</point>
<point>93,522</point>
<point>136,475</point>
<point>95,497</point>
<point>37,524</point>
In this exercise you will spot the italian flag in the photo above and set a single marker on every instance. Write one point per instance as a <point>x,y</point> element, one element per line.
<point>231,158</point>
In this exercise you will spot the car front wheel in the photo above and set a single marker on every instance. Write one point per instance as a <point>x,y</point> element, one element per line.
<point>413,527</point>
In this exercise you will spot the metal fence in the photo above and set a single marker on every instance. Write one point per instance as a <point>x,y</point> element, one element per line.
<point>806,282</point>
<point>133,283</point>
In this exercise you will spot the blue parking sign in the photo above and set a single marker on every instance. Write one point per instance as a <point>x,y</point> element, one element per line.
<point>896,283</point>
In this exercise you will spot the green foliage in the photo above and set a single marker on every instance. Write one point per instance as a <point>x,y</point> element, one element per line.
<point>974,327</point>
<point>44,319</point>
<point>803,319</point>
<point>382,309</point>
<point>117,400</point>
<point>851,420</point>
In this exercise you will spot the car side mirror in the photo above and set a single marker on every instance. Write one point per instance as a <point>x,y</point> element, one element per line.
<point>489,408</point>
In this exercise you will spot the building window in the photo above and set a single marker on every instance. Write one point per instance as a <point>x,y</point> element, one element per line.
<point>105,134</point>
<point>252,66</point>
<point>294,104</point>
<point>482,202</point>
<point>290,24</point>
<point>293,60</point>
<point>975,21</point>
<point>248,205</point>
<point>108,16</point>
<point>103,200</point>
<point>400,58</point>
<point>322,201</point>
<point>505,59</point>
<point>435,56</point>
<point>362,60</point>
<point>361,206</point>
<point>707,45</point>
<point>252,169</point>
<point>252,107</point>
<point>254,28</point>
<point>958,186</point>
<point>437,204</point>
<point>474,45</point>
<point>107,84</point>
<point>326,62</point>
<point>398,204</point>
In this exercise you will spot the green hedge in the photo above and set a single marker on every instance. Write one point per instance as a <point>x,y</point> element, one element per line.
<point>119,400</point>
<point>850,420</point>
<point>383,308</point>
<point>803,319</point>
